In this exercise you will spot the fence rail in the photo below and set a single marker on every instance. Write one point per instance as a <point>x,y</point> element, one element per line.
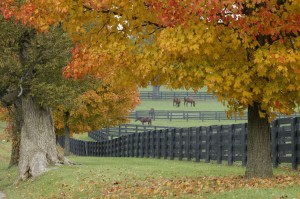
<point>191,115</point>
<point>125,129</point>
<point>220,143</point>
<point>168,95</point>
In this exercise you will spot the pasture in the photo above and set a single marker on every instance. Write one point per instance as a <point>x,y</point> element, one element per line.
<point>211,105</point>
<point>168,105</point>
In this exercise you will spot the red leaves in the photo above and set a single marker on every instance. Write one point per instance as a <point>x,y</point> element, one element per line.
<point>171,12</point>
<point>252,19</point>
<point>7,8</point>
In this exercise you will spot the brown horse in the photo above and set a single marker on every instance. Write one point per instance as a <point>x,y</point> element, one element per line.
<point>144,119</point>
<point>176,101</point>
<point>189,100</point>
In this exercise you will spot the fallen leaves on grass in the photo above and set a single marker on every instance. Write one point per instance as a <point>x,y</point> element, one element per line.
<point>174,187</point>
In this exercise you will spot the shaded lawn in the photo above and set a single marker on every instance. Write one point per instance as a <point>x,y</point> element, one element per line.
<point>95,177</point>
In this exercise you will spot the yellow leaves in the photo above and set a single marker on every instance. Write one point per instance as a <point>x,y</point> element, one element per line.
<point>207,51</point>
<point>291,87</point>
<point>256,90</point>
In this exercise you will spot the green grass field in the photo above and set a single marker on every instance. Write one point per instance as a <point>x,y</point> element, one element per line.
<point>190,123</point>
<point>168,105</point>
<point>200,106</point>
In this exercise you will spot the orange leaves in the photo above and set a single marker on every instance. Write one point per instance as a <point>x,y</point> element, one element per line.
<point>97,4</point>
<point>178,187</point>
<point>39,14</point>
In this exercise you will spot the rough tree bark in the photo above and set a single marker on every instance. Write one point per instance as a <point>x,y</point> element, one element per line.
<point>155,92</point>
<point>38,147</point>
<point>259,162</point>
<point>16,122</point>
<point>67,134</point>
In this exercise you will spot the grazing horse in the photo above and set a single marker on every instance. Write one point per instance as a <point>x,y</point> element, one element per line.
<point>176,101</point>
<point>144,119</point>
<point>189,100</point>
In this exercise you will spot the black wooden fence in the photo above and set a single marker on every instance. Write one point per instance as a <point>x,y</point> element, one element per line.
<point>191,115</point>
<point>220,143</point>
<point>124,129</point>
<point>169,95</point>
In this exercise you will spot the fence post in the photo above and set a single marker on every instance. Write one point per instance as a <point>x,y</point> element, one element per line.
<point>121,150</point>
<point>137,140</point>
<point>172,142</point>
<point>108,148</point>
<point>165,143</point>
<point>142,153</point>
<point>86,148</point>
<point>295,142</point>
<point>208,137</point>
<point>132,145</point>
<point>127,145</point>
<point>152,144</point>
<point>230,144</point>
<point>103,148</point>
<point>188,144</point>
<point>147,144</point>
<point>274,133</point>
<point>113,147</point>
<point>116,147</point>
<point>197,145</point>
<point>180,152</point>
<point>244,145</point>
<point>158,143</point>
<point>219,144</point>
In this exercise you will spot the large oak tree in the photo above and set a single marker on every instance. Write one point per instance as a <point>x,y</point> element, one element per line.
<point>245,52</point>
<point>32,86</point>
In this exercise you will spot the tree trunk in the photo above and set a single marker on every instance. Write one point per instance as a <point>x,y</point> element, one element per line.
<point>16,122</point>
<point>67,135</point>
<point>38,148</point>
<point>259,162</point>
<point>155,92</point>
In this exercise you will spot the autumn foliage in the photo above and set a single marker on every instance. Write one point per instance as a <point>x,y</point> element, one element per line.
<point>245,51</point>
<point>98,108</point>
